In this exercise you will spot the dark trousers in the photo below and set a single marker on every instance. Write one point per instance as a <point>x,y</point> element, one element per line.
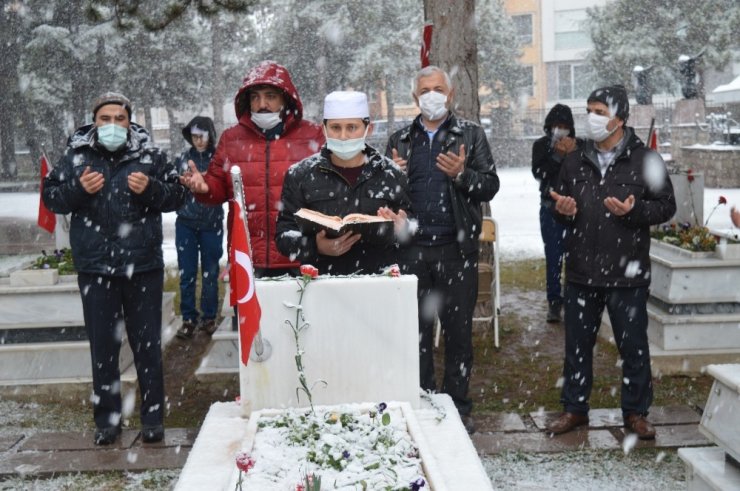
<point>190,242</point>
<point>448,286</point>
<point>110,304</point>
<point>553,236</point>
<point>627,309</point>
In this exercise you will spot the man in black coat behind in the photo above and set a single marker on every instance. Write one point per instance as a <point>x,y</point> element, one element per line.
<point>548,153</point>
<point>116,186</point>
<point>608,194</point>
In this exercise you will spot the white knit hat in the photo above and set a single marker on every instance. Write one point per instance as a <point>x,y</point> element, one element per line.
<point>342,104</point>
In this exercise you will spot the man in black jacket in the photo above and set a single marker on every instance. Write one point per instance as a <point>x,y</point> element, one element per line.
<point>346,176</point>
<point>548,153</point>
<point>608,194</point>
<point>116,186</point>
<point>451,172</point>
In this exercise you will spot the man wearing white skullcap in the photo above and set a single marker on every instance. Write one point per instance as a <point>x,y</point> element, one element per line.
<point>346,176</point>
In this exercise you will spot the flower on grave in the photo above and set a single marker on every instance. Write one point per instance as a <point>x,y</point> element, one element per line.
<point>690,175</point>
<point>309,272</point>
<point>722,201</point>
<point>345,455</point>
<point>244,462</point>
<point>417,485</point>
<point>310,482</point>
<point>238,399</point>
<point>382,407</point>
<point>393,271</point>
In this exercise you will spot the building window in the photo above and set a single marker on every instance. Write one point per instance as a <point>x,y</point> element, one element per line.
<point>571,31</point>
<point>527,87</point>
<point>523,27</point>
<point>574,81</point>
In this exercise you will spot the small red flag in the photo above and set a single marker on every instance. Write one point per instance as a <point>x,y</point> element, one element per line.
<point>426,44</point>
<point>242,285</point>
<point>653,143</point>
<point>46,220</point>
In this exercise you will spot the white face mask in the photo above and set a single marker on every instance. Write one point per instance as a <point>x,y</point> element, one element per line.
<point>433,105</point>
<point>559,133</point>
<point>266,121</point>
<point>346,149</point>
<point>596,129</point>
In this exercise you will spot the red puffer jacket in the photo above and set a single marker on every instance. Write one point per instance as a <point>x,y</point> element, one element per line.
<point>263,162</point>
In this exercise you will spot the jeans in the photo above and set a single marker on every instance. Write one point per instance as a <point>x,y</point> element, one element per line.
<point>189,242</point>
<point>627,309</point>
<point>553,235</point>
<point>447,287</point>
<point>111,304</point>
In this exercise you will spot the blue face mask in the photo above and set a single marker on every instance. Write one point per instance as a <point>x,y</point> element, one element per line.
<point>112,136</point>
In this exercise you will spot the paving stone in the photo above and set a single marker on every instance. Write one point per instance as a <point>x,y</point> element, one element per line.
<point>670,436</point>
<point>491,443</point>
<point>74,441</point>
<point>7,442</point>
<point>499,422</point>
<point>135,459</point>
<point>612,418</point>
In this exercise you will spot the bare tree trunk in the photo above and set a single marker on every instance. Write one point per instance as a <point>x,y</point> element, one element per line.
<point>10,40</point>
<point>217,94</point>
<point>455,49</point>
<point>175,135</point>
<point>389,104</point>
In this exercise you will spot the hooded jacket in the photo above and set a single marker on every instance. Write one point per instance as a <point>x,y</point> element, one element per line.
<point>263,162</point>
<point>602,249</point>
<point>545,160</point>
<point>194,214</point>
<point>115,231</point>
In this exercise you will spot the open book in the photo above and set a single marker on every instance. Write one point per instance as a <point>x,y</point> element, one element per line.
<point>372,228</point>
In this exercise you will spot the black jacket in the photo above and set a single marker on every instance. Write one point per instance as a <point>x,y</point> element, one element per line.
<point>115,231</point>
<point>545,161</point>
<point>194,214</point>
<point>605,250</point>
<point>478,182</point>
<point>314,184</point>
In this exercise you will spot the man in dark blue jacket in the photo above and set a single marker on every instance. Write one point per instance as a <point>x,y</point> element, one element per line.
<point>451,172</point>
<point>116,186</point>
<point>199,228</point>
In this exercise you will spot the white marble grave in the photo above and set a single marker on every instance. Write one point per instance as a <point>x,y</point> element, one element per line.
<point>362,341</point>
<point>710,467</point>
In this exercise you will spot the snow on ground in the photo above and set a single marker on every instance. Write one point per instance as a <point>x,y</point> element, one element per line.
<point>515,208</point>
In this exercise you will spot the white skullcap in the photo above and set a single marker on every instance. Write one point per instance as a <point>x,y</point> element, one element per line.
<point>342,104</point>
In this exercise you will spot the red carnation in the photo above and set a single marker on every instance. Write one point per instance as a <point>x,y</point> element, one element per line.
<point>722,200</point>
<point>310,271</point>
<point>244,461</point>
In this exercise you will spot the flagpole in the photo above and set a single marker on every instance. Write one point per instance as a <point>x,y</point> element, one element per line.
<point>262,348</point>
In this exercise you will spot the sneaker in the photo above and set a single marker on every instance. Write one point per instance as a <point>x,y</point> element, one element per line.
<point>106,436</point>
<point>186,330</point>
<point>152,434</point>
<point>209,326</point>
<point>553,312</point>
<point>468,423</point>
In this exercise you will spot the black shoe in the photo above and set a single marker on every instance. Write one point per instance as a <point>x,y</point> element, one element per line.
<point>186,330</point>
<point>553,312</point>
<point>209,326</point>
<point>152,434</point>
<point>106,436</point>
<point>468,423</point>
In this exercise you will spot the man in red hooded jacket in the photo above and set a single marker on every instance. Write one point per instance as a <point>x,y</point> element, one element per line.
<point>270,136</point>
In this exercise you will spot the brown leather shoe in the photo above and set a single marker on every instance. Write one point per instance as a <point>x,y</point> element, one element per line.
<point>639,425</point>
<point>567,422</point>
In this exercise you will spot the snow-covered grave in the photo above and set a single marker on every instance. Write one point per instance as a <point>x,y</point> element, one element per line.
<point>718,467</point>
<point>360,349</point>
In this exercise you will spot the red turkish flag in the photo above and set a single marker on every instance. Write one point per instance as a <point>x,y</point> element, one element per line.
<point>426,44</point>
<point>241,282</point>
<point>653,143</point>
<point>46,220</point>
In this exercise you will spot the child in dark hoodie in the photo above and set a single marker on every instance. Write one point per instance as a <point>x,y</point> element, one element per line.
<point>198,229</point>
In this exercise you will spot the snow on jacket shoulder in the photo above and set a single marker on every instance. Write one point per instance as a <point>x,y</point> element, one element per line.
<point>263,162</point>
<point>602,249</point>
<point>114,231</point>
